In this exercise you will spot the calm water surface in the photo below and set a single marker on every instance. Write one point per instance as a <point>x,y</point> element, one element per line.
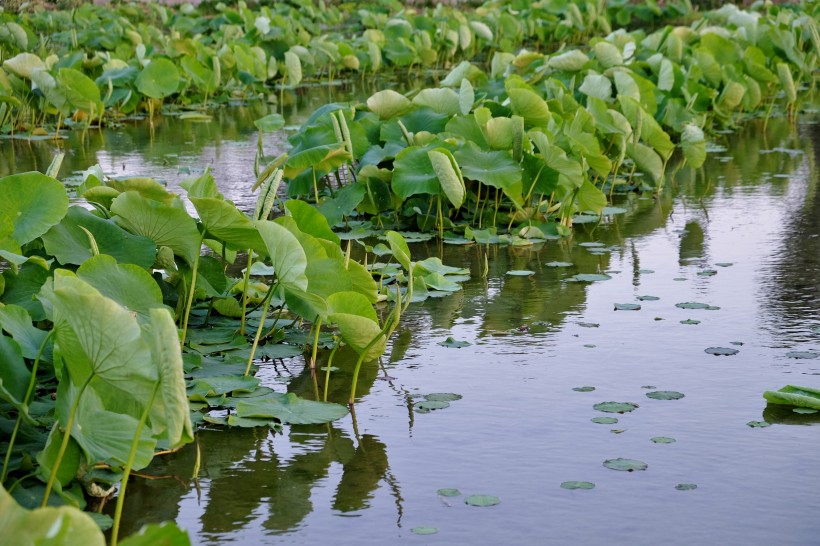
<point>520,430</point>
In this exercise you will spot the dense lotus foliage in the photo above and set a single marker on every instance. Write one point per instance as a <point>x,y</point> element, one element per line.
<point>127,321</point>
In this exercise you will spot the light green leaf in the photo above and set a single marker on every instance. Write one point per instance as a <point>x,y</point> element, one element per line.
<point>159,79</point>
<point>466,97</point>
<point>288,256</point>
<point>294,67</point>
<point>32,203</point>
<point>571,61</point>
<point>694,145</point>
<point>597,85</point>
<point>357,322</point>
<point>530,106</point>
<point>162,534</point>
<point>449,175</point>
<point>165,225</point>
<point>225,222</point>
<point>442,100</point>
<point>24,64</point>
<point>388,104</point>
<point>290,409</point>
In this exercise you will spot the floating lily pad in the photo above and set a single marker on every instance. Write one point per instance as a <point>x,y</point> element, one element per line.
<point>589,345</point>
<point>803,355</point>
<point>426,406</point>
<point>583,389</point>
<point>612,210</point>
<point>604,420</point>
<point>648,298</point>
<point>589,277</point>
<point>449,492</point>
<point>646,271</point>
<point>452,343</point>
<point>724,264</point>
<point>616,407</point>
<point>649,387</point>
<point>592,245</point>
<point>442,397</point>
<point>663,440</point>
<point>686,486</point>
<point>627,307</point>
<point>758,424</point>
<point>589,324</point>
<point>696,305</point>
<point>520,273</point>
<point>618,430</point>
<point>679,279</point>
<point>690,321</point>
<point>665,395</point>
<point>707,273</point>
<point>559,264</point>
<point>578,485</point>
<point>424,530</point>
<point>804,411</point>
<point>738,343</point>
<point>628,465</point>
<point>721,351</point>
<point>482,500</point>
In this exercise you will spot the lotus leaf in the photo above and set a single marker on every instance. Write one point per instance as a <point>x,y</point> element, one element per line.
<point>482,500</point>
<point>686,486</point>
<point>424,530</point>
<point>629,465</point>
<point>663,440</point>
<point>616,407</point>
<point>159,79</point>
<point>604,420</point>
<point>802,397</point>
<point>449,492</point>
<point>164,534</point>
<point>721,351</point>
<point>357,322</point>
<point>577,485</point>
<point>665,395</point>
<point>61,526</point>
<point>290,409</point>
<point>32,203</point>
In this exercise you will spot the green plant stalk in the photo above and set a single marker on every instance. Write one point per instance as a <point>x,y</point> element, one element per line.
<point>64,444</point>
<point>191,293</point>
<point>329,365</point>
<point>115,528</point>
<point>315,187</point>
<point>315,343</point>
<point>439,217</point>
<point>389,325</point>
<point>257,337</point>
<point>245,284</point>
<point>29,391</point>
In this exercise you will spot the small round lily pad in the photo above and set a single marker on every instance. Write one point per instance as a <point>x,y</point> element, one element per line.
<point>589,346</point>
<point>679,279</point>
<point>589,277</point>
<point>604,420</point>
<point>665,395</point>
<point>646,271</point>
<point>559,264</point>
<point>442,397</point>
<point>758,424</point>
<point>426,406</point>
<point>520,273</point>
<point>583,389</point>
<point>707,273</point>
<point>724,264</point>
<point>627,307</point>
<point>452,343</point>
<point>805,411</point>
<point>696,305</point>
<point>721,351</point>
<point>578,485</point>
<point>592,245</point>
<point>802,355</point>
<point>690,321</point>
<point>663,440</point>
<point>482,500</point>
<point>686,486</point>
<point>424,530</point>
<point>449,492</point>
<point>615,407</point>
<point>627,465</point>
<point>589,324</point>
<point>648,298</point>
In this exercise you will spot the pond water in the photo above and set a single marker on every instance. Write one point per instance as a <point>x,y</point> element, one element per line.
<point>742,235</point>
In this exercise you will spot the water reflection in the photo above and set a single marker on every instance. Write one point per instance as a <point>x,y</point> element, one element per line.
<point>300,482</point>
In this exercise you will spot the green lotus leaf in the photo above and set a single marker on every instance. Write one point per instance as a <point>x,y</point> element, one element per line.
<point>165,225</point>
<point>32,203</point>
<point>721,351</point>
<point>482,500</point>
<point>494,168</point>
<point>62,526</point>
<point>442,100</point>
<point>399,247</point>
<point>577,485</point>
<point>388,104</point>
<point>598,86</point>
<point>290,409</point>
<point>225,222</point>
<point>129,285</point>
<point>70,243</point>
<point>24,64</point>
<point>311,221</point>
<point>293,64</point>
<point>17,322</point>
<point>413,173</point>
<point>357,322</point>
<point>466,97</point>
<point>165,534</point>
<point>792,395</point>
<point>287,255</point>
<point>159,79</point>
<point>616,407</point>
<point>449,175</point>
<point>270,123</point>
<point>14,375</point>
<point>530,106</point>
<point>607,54</point>
<point>571,61</point>
<point>80,91</point>
<point>628,465</point>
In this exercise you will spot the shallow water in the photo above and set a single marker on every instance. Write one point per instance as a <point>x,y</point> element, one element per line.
<point>520,430</point>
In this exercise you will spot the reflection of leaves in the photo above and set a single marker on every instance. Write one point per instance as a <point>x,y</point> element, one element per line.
<point>362,473</point>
